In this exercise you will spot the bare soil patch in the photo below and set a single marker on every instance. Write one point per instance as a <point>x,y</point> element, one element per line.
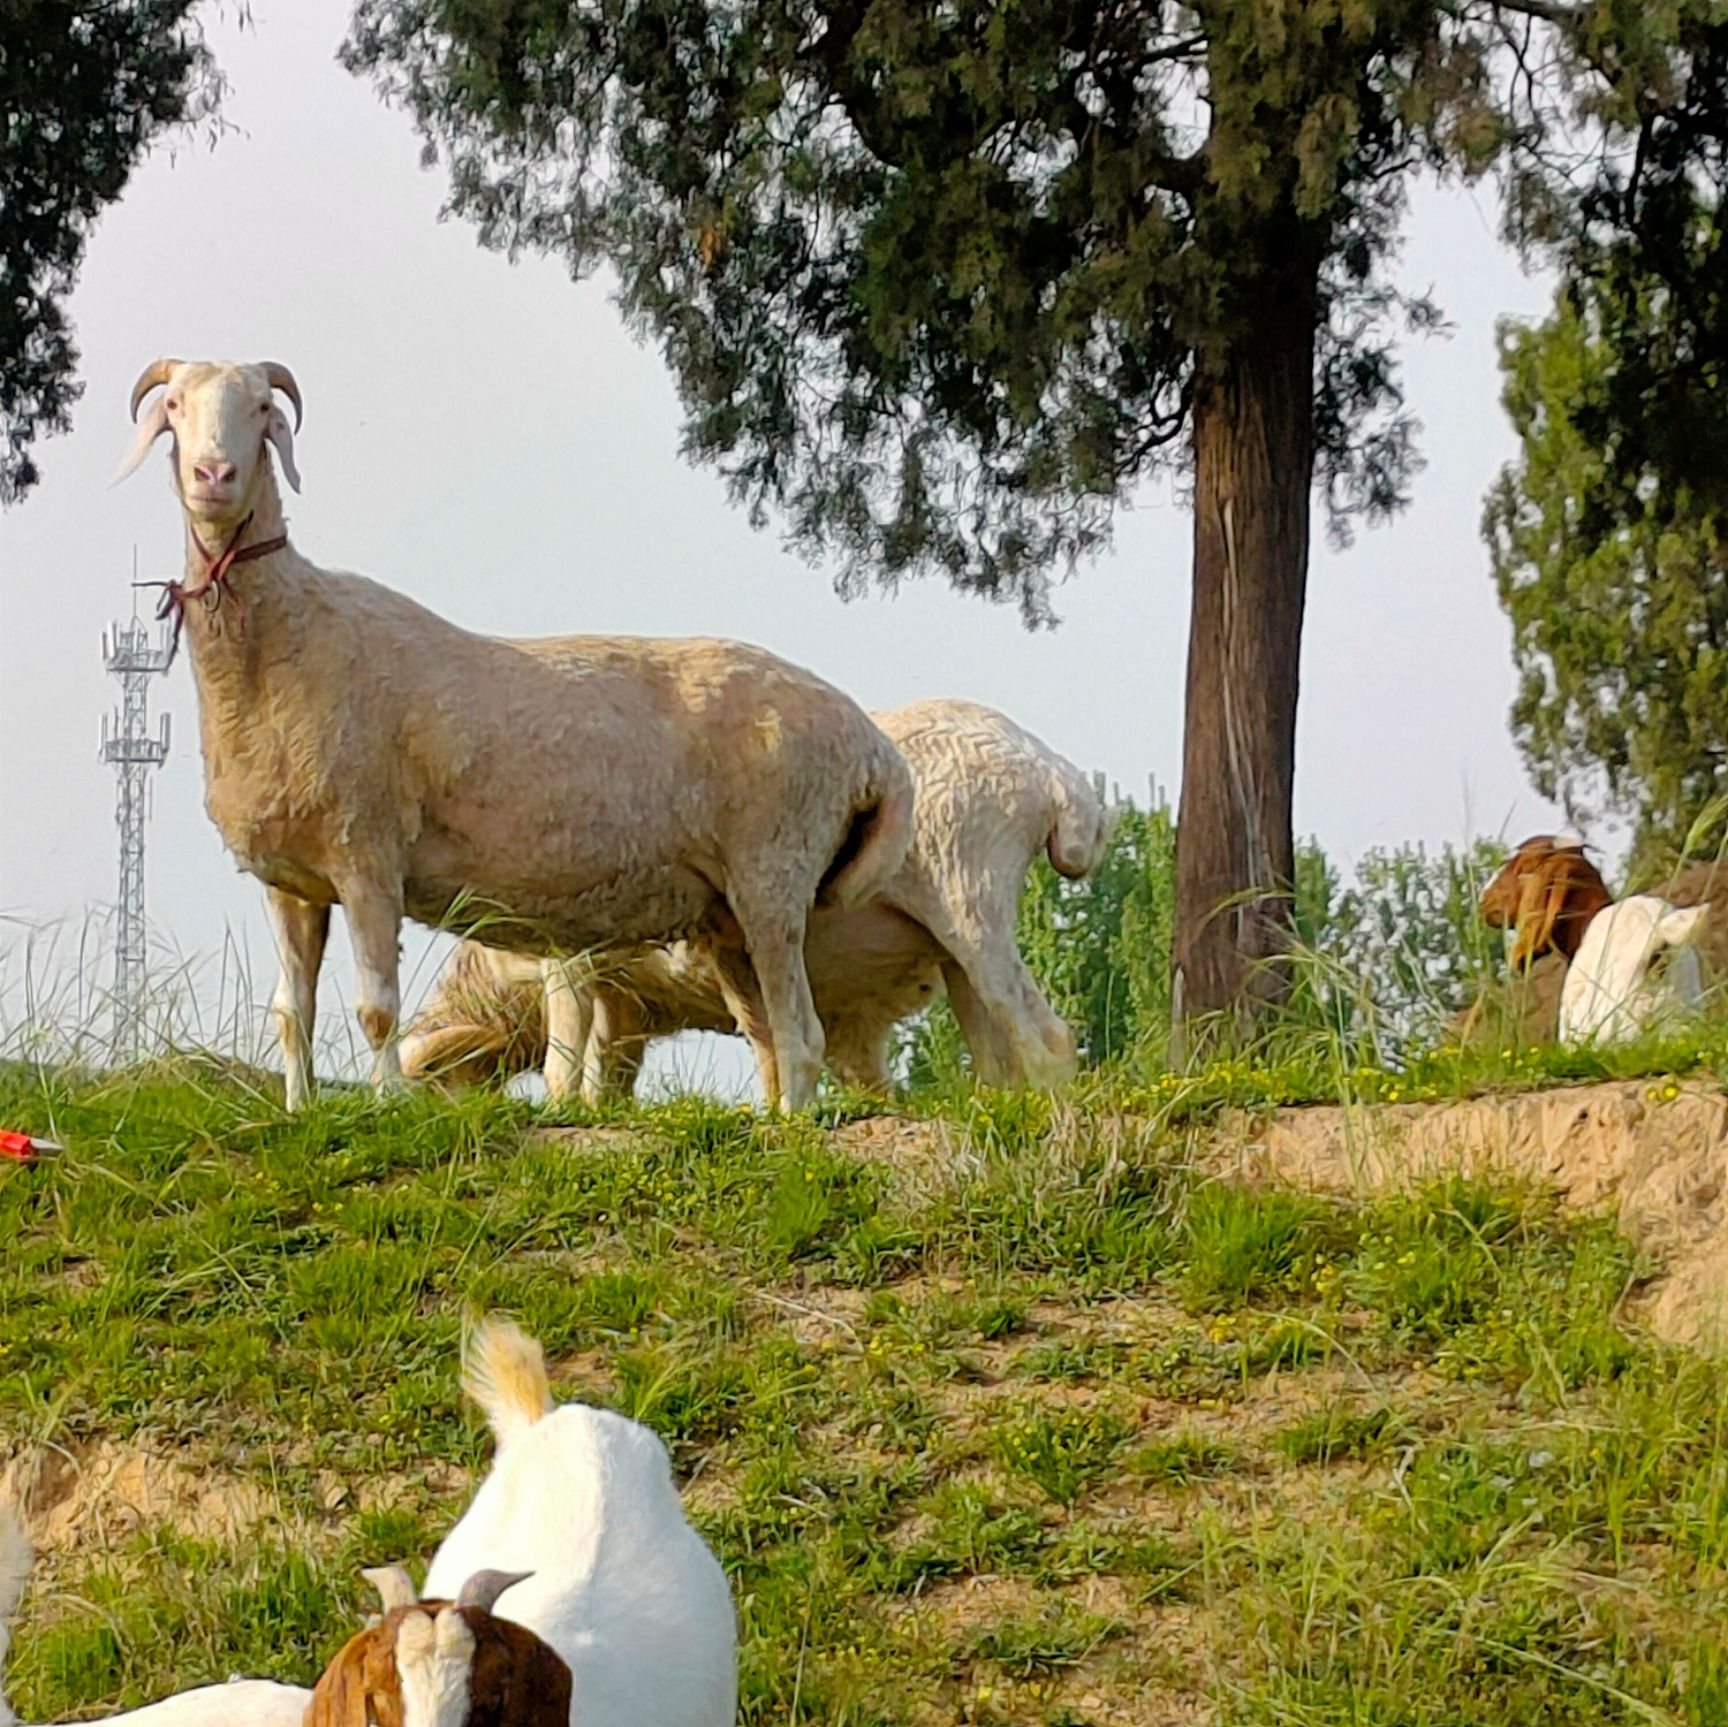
<point>1654,1152</point>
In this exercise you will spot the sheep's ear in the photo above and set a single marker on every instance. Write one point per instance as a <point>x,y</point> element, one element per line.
<point>276,430</point>
<point>339,1698</point>
<point>484,1587</point>
<point>1543,896</point>
<point>150,428</point>
<point>395,1587</point>
<point>1679,927</point>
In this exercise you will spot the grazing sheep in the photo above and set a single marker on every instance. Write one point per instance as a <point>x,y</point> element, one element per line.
<point>1589,968</point>
<point>1635,971</point>
<point>572,794</point>
<point>989,797</point>
<point>1546,893</point>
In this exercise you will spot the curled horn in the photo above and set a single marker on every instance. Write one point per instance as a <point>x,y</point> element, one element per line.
<point>282,379</point>
<point>151,378</point>
<point>484,1587</point>
<point>395,1587</point>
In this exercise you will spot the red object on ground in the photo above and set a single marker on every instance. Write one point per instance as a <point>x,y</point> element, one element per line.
<point>21,1148</point>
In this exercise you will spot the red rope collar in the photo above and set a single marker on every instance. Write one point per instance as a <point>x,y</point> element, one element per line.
<point>217,567</point>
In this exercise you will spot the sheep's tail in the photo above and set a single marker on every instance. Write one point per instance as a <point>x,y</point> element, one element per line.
<point>1081,832</point>
<point>15,1557</point>
<point>875,844</point>
<point>504,1371</point>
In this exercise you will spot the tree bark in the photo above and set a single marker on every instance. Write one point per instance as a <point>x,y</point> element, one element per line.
<point>1253,481</point>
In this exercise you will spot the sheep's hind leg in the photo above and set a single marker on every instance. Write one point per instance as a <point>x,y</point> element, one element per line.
<point>301,931</point>
<point>375,932</point>
<point>569,1020</point>
<point>1015,1036</point>
<point>794,1042</point>
<point>743,998</point>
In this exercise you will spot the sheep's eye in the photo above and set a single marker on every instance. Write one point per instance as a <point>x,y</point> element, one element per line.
<point>173,404</point>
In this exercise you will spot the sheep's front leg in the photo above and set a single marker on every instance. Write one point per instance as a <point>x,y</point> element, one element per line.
<point>569,1017</point>
<point>301,931</point>
<point>375,930</point>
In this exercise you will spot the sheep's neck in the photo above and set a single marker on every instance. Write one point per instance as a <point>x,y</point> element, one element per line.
<point>223,620</point>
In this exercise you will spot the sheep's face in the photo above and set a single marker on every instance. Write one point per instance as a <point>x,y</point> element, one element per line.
<point>442,1664</point>
<point>1635,971</point>
<point>220,417</point>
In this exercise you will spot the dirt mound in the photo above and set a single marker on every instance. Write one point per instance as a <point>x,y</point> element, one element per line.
<point>96,1493</point>
<point>1656,1153</point>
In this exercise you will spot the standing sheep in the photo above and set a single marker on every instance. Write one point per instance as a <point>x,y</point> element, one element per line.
<point>989,798</point>
<point>572,794</point>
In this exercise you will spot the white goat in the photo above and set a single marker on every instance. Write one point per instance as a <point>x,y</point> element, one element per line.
<point>571,794</point>
<point>989,797</point>
<point>583,1501</point>
<point>1635,970</point>
<point>571,1593</point>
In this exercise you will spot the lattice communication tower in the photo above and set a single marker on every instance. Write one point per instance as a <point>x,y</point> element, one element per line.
<point>128,745</point>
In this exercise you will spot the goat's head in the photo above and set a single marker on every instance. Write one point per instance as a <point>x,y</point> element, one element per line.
<point>221,416</point>
<point>1635,971</point>
<point>1548,891</point>
<point>443,1664</point>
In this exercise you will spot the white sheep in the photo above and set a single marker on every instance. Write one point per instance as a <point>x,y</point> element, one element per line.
<point>1635,971</point>
<point>571,794</point>
<point>989,798</point>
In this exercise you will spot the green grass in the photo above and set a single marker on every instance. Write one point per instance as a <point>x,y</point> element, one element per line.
<point>1046,1426</point>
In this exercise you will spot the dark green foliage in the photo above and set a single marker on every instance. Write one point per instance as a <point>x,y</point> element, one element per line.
<point>85,89</point>
<point>939,281</point>
<point>1619,631</point>
<point>1609,531</point>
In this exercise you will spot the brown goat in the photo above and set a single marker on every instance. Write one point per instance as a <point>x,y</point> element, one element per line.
<point>1548,891</point>
<point>443,1664</point>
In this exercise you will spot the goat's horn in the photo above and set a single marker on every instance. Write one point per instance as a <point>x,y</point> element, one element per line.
<point>152,377</point>
<point>484,1587</point>
<point>282,379</point>
<point>395,1587</point>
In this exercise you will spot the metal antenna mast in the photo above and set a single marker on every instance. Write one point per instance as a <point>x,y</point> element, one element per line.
<point>128,745</point>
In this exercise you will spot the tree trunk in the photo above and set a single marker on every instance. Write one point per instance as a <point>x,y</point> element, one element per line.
<point>1253,479</point>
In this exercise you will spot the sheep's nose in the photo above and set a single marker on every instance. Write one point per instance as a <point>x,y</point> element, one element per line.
<point>214,473</point>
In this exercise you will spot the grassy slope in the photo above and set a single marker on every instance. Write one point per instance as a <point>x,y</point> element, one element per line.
<point>1040,1427</point>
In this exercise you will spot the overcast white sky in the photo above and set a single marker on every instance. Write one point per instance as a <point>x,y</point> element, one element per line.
<point>488,439</point>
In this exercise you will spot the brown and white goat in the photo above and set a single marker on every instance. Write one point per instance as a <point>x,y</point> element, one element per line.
<point>1547,891</point>
<point>443,1664</point>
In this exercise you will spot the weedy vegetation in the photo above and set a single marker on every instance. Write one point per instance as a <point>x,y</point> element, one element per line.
<point>1022,1417</point>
